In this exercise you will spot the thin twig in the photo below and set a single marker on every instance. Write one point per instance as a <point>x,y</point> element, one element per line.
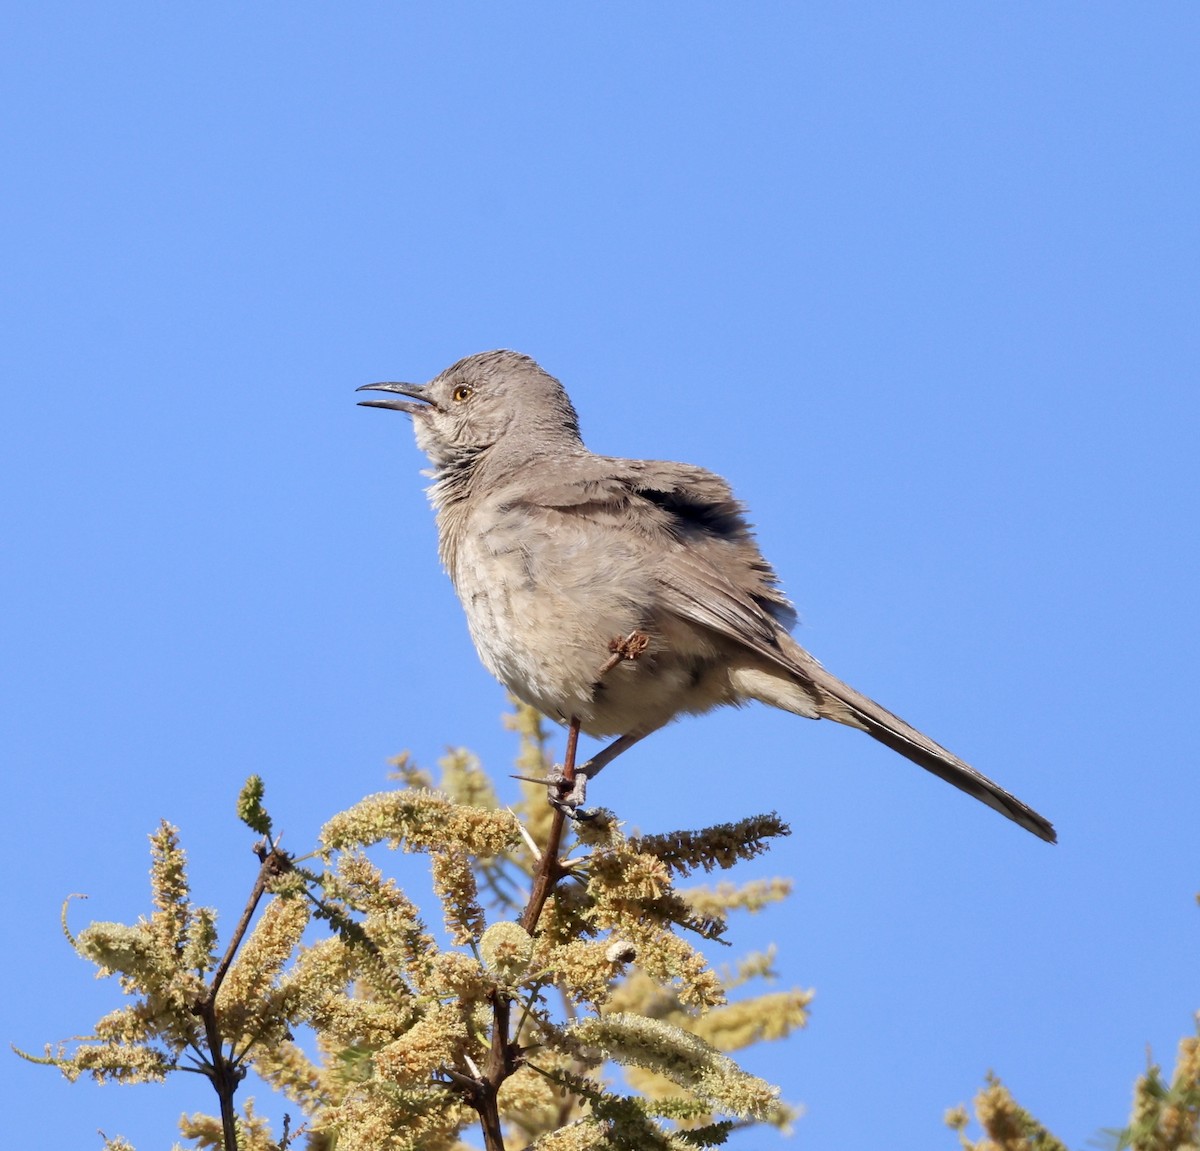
<point>273,863</point>
<point>225,1073</point>
<point>501,1060</point>
<point>526,1010</point>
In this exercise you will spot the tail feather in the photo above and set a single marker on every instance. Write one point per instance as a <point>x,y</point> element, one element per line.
<point>839,701</point>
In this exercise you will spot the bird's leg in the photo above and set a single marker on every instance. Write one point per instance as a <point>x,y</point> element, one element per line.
<point>563,780</point>
<point>568,784</point>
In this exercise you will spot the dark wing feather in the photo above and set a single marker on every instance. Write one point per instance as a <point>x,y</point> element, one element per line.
<point>714,575</point>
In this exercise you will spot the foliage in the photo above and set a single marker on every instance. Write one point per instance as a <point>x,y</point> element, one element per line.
<point>571,957</point>
<point>1166,1116</point>
<point>516,1026</point>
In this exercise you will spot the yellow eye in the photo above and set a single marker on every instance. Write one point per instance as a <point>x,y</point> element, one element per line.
<point>461,393</point>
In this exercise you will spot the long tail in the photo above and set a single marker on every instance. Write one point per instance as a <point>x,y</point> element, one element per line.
<point>839,701</point>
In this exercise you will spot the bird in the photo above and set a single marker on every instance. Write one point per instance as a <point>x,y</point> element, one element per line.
<point>618,594</point>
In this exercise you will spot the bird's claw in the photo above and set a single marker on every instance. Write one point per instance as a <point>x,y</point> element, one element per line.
<point>568,795</point>
<point>563,794</point>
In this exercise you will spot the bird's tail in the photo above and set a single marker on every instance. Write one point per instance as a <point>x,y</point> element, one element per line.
<point>839,701</point>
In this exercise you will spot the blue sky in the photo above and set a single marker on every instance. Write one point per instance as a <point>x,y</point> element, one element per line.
<point>920,279</point>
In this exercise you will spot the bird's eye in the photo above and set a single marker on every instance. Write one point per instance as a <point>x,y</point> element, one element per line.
<point>462,393</point>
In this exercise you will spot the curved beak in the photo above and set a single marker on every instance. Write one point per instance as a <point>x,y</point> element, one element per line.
<point>416,391</point>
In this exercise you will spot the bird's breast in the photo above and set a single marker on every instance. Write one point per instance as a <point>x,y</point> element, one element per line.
<point>544,601</point>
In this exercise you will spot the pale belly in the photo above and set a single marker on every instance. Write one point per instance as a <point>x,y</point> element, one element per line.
<point>543,615</point>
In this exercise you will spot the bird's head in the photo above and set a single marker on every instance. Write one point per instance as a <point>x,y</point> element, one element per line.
<point>483,400</point>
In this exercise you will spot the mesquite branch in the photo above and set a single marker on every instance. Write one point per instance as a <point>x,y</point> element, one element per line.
<point>225,1072</point>
<point>503,1057</point>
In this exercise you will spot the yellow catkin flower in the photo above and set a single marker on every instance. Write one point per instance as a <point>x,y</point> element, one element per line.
<point>772,1016</point>
<point>956,1118</point>
<point>117,1063</point>
<point>506,949</point>
<point>169,889</point>
<point>402,1025</point>
<point>668,958</point>
<point>125,1025</point>
<point>243,1007</point>
<point>321,970</point>
<point>198,952</point>
<point>420,821</point>
<point>529,1102</point>
<point>454,885</point>
<point>725,897</point>
<point>289,1070</point>
<point>348,1021</point>
<point>393,924</point>
<point>1007,1126</point>
<point>620,877</point>
<point>585,968</point>
<point>683,1058</point>
<point>453,973</point>
<point>408,773</point>
<point>117,948</point>
<point>430,1043</point>
<point>391,1120</point>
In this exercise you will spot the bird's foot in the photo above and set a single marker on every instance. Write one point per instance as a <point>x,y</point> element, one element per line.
<point>568,794</point>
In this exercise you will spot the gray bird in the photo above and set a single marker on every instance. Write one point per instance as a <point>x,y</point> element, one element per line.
<point>557,553</point>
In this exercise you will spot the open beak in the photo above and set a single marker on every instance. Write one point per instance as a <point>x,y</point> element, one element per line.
<point>416,391</point>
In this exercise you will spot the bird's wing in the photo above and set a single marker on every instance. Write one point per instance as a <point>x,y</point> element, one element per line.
<point>712,574</point>
<point>710,571</point>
